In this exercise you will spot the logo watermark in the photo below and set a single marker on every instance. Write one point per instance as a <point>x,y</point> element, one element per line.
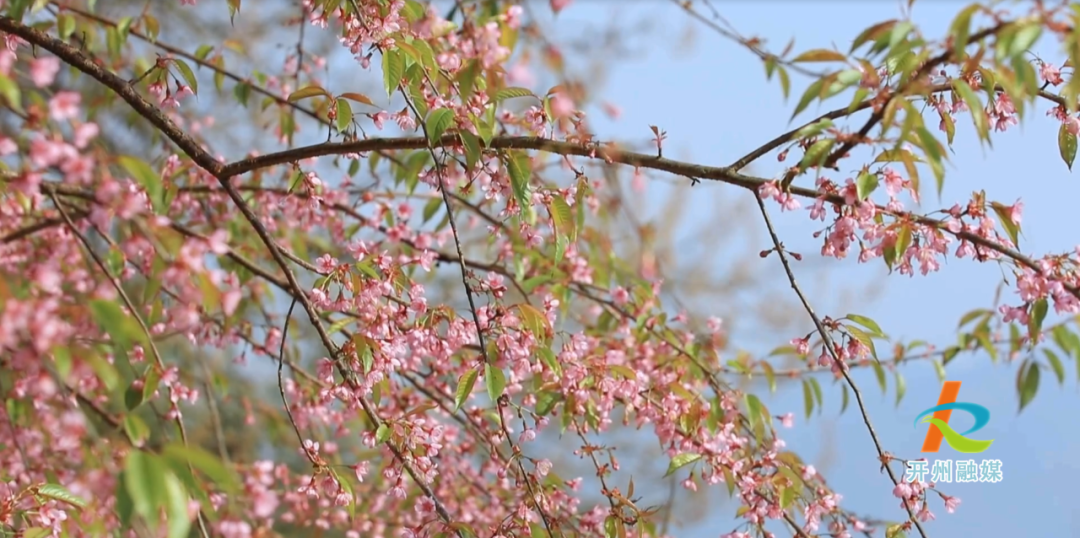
<point>958,471</point>
<point>949,471</point>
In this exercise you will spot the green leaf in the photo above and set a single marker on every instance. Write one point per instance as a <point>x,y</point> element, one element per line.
<point>60,493</point>
<point>1066,145</point>
<point>431,207</point>
<point>770,375</point>
<point>203,51</point>
<point>961,29</point>
<point>473,151</point>
<point>754,412</point>
<point>344,114</point>
<point>357,97</point>
<point>511,93</point>
<point>939,369</point>
<point>176,507</point>
<point>517,164</point>
<point>145,175</point>
<point>785,81</point>
<point>870,324</point>
<point>864,338</point>
<point>393,64</point>
<point>680,461</point>
<point>465,387</point>
<point>814,129</point>
<point>187,74</point>
<point>865,184</point>
<point>136,429</point>
<point>206,463</point>
<point>438,121</point>
<point>1035,320</point>
<point>123,330</point>
<point>808,398</point>
<point>1024,39</point>
<point>1028,383</point>
<point>879,373</point>
<point>812,91</point>
<point>816,388</point>
<point>816,154</point>
<point>1056,365</point>
<point>820,55</point>
<point>307,93</point>
<point>494,380</point>
<point>65,25</point>
<point>901,386</point>
<point>787,496</point>
<point>975,106</point>
<point>144,476</point>
<point>545,402</point>
<point>611,526</point>
<point>972,316</point>
<point>1006,222</point>
<point>871,33</point>
<point>382,433</point>
<point>466,79</point>
<point>844,400</point>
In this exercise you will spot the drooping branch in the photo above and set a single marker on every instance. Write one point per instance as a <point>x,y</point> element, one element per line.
<point>207,162</point>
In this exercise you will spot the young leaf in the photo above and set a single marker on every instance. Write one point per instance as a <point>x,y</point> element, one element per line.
<point>382,433</point>
<point>307,92</point>
<point>495,381</point>
<point>393,64</point>
<point>357,97</point>
<point>1056,365</point>
<point>879,373</point>
<point>473,151</point>
<point>438,121</point>
<point>145,175</point>
<point>510,93</point>
<point>187,74</point>
<point>865,184</point>
<point>431,208</point>
<point>870,324</point>
<point>563,217</point>
<point>517,164</point>
<point>1066,145</point>
<point>176,507</point>
<point>820,55</point>
<point>680,461</point>
<point>1028,383</point>
<point>344,114</point>
<point>901,386</point>
<point>144,477</point>
<point>1006,221</point>
<point>1035,320</point>
<point>222,476</point>
<point>812,91</point>
<point>808,398</point>
<point>465,387</point>
<point>60,493</point>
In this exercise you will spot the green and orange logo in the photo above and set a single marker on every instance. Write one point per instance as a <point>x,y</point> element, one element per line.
<point>939,423</point>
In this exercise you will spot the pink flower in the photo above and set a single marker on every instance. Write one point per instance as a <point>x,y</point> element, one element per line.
<point>788,420</point>
<point>1072,124</point>
<point>43,70</point>
<point>559,5</point>
<point>1050,73</point>
<point>64,105</point>
<point>951,503</point>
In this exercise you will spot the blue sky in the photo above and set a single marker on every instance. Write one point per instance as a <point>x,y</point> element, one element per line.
<point>714,102</point>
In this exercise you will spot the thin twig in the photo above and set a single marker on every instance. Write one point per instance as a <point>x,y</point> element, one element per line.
<point>824,333</point>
